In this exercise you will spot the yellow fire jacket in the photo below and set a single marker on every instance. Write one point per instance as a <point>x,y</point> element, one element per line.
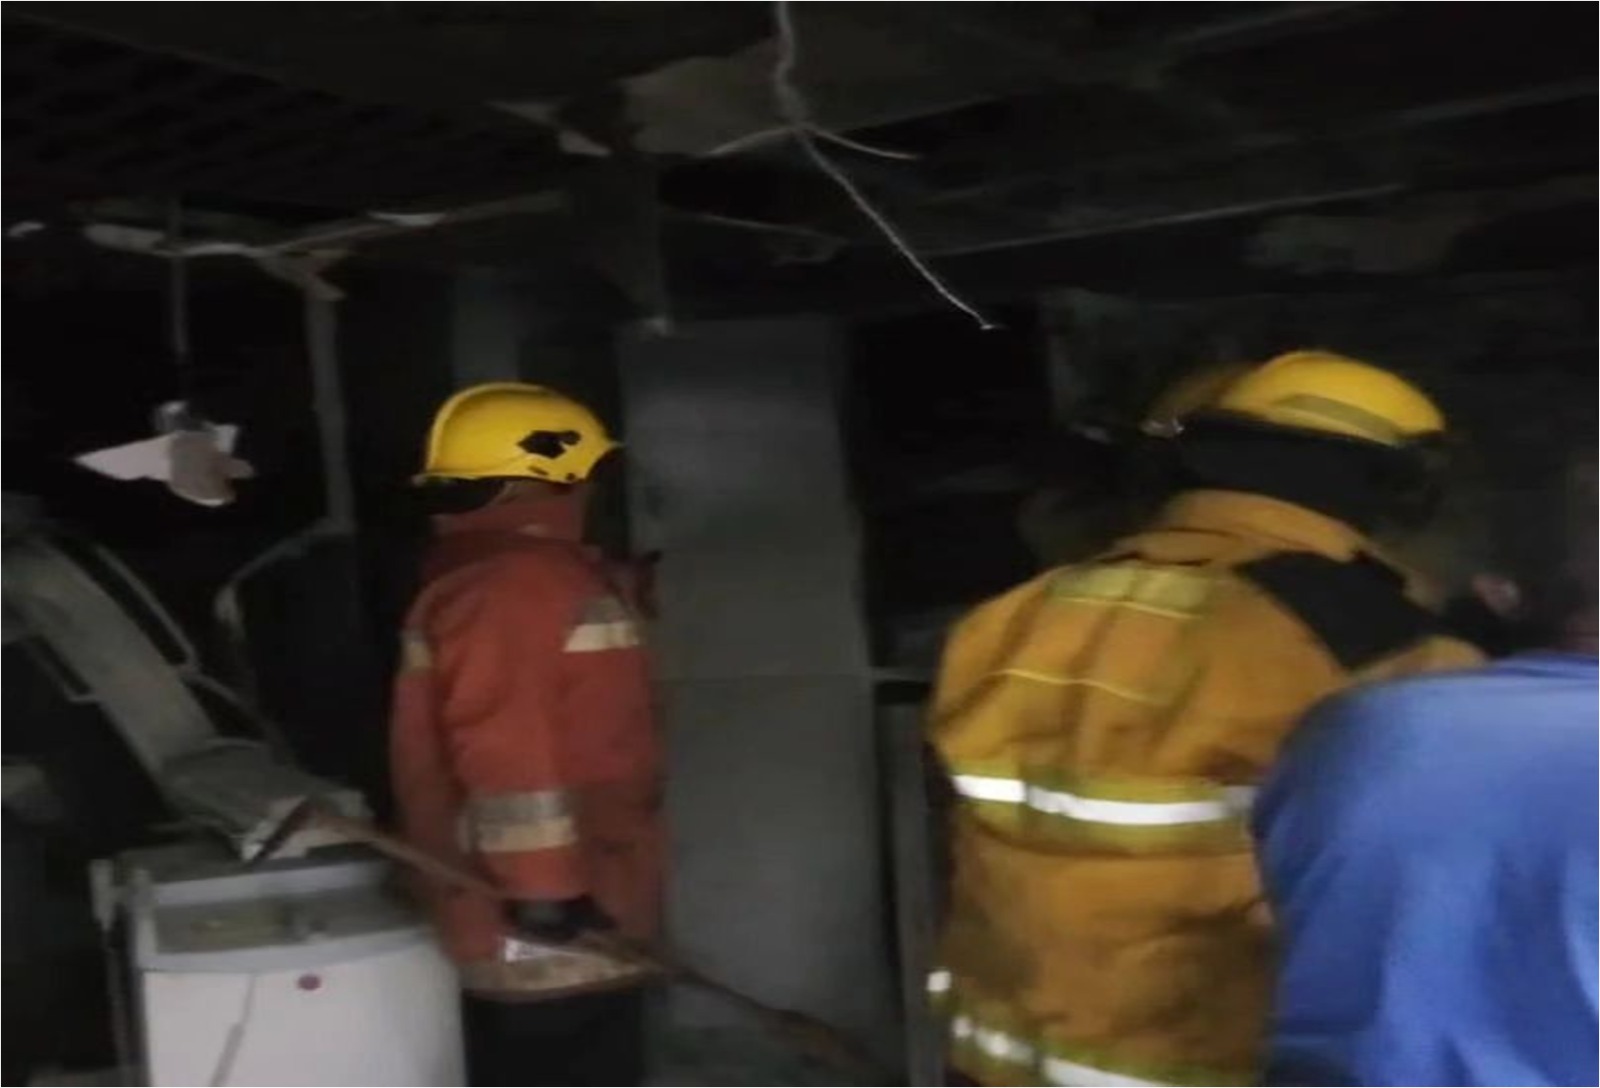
<point>1102,727</point>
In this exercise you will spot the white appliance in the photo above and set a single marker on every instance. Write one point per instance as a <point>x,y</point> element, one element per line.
<point>304,972</point>
<point>310,970</point>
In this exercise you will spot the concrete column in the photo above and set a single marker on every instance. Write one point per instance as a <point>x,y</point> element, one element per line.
<point>739,477</point>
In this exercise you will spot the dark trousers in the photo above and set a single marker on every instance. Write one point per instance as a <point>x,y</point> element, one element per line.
<point>587,1039</point>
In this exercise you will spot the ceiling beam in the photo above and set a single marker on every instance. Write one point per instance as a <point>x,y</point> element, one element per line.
<point>1400,120</point>
<point>376,52</point>
<point>1122,62</point>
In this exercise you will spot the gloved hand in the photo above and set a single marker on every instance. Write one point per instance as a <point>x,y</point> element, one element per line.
<point>556,921</point>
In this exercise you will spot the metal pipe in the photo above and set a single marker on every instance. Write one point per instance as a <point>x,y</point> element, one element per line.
<point>322,349</point>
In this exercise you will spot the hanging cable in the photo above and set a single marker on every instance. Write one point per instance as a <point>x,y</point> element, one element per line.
<point>793,108</point>
<point>856,145</point>
<point>178,304</point>
<point>784,132</point>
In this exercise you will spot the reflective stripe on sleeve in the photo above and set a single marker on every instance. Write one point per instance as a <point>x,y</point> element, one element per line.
<point>502,823</point>
<point>415,653</point>
<point>605,624</point>
<point>588,638</point>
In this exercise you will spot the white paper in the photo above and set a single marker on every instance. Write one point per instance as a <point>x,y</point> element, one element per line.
<point>150,459</point>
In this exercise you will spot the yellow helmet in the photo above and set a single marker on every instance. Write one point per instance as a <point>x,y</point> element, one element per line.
<point>1189,394</point>
<point>508,429</point>
<point>1324,393</point>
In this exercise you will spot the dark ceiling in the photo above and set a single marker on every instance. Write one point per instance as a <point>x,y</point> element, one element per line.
<point>1142,146</point>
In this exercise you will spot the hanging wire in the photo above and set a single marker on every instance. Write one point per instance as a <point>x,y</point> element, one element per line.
<point>178,302</point>
<point>856,145</point>
<point>792,106</point>
<point>785,132</point>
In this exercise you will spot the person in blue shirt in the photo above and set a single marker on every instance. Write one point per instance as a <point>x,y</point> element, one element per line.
<point>1429,848</point>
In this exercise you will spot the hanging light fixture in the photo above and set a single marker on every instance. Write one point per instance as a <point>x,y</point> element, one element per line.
<point>191,454</point>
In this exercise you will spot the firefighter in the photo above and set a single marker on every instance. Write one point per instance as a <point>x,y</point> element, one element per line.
<point>524,743</point>
<point>1103,726</point>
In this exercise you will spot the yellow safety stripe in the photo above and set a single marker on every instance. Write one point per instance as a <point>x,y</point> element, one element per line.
<point>503,823</point>
<point>1162,591</point>
<point>1311,409</point>
<point>1015,1055</point>
<point>1062,680</point>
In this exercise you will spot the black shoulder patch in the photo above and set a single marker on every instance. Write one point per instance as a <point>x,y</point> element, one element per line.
<point>1358,610</point>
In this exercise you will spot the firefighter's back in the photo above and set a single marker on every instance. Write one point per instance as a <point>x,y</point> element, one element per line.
<point>1103,727</point>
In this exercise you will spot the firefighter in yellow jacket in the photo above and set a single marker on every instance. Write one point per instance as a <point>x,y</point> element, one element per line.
<point>1103,727</point>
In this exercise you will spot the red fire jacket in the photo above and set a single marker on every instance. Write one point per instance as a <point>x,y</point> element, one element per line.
<point>524,744</point>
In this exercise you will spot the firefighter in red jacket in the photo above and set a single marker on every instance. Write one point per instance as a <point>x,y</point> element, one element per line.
<point>524,742</point>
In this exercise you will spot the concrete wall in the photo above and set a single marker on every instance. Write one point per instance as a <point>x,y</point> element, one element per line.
<point>739,478</point>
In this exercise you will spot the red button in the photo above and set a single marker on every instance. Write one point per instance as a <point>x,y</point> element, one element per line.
<point>309,983</point>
